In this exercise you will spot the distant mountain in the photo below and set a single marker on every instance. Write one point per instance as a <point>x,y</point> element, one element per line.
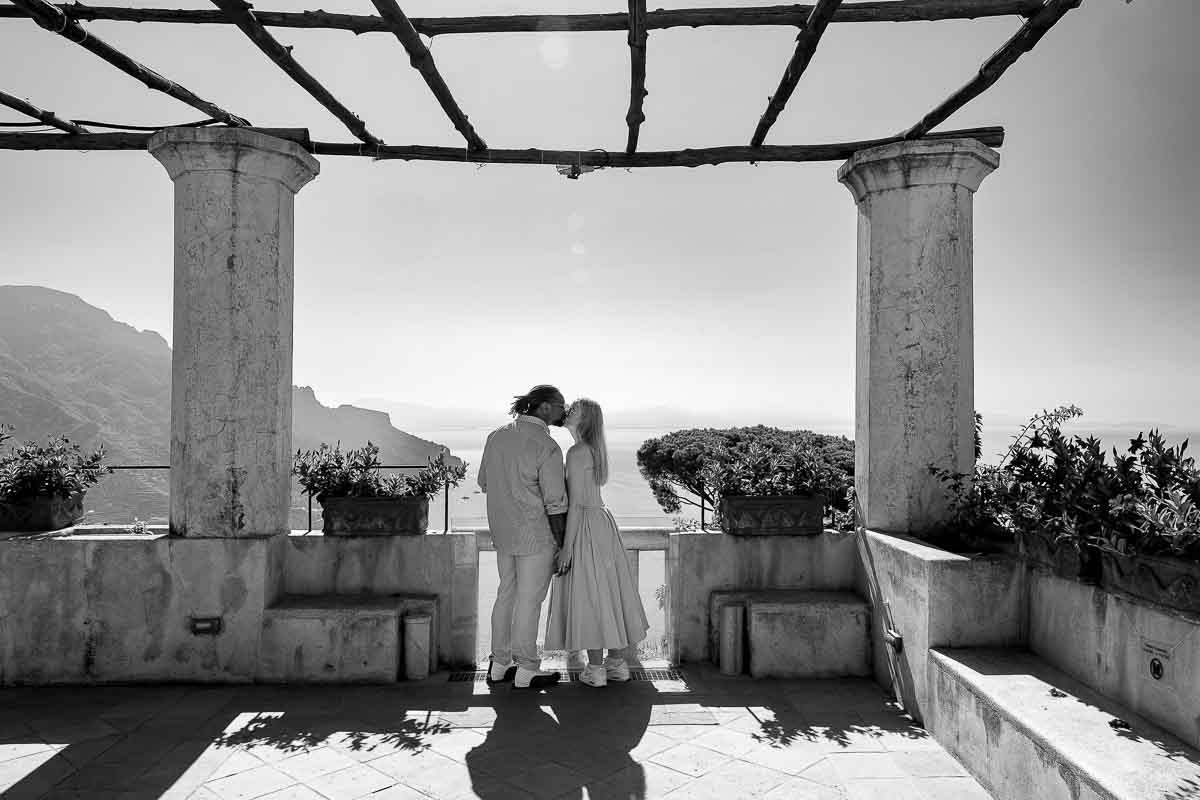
<point>69,368</point>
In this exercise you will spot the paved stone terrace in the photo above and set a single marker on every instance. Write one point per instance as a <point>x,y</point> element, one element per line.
<point>702,737</point>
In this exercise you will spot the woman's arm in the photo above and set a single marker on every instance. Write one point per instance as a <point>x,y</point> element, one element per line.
<point>577,462</point>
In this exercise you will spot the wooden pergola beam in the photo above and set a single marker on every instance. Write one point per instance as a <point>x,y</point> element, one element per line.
<point>1022,42</point>
<point>240,13</point>
<point>806,47</point>
<point>791,16</point>
<point>422,60</point>
<point>637,72</point>
<point>48,117</point>
<point>991,136</point>
<point>54,20</point>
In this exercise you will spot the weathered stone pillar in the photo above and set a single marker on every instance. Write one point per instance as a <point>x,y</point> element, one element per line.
<point>231,363</point>
<point>914,372</point>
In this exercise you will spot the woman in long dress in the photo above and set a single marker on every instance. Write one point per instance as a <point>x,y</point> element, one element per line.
<point>594,605</point>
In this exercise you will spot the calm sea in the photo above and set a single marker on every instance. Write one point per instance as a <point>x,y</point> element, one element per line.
<point>629,497</point>
<point>626,493</point>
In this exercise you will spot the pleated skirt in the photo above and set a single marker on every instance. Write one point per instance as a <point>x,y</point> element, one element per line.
<point>596,604</point>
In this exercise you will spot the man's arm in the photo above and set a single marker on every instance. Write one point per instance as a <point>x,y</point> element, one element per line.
<point>552,478</point>
<point>558,528</point>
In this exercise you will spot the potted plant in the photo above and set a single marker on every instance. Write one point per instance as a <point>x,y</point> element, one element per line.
<point>698,466</point>
<point>357,500</point>
<point>770,492</point>
<point>42,485</point>
<point>1131,525</point>
<point>1042,500</point>
<point>1157,555</point>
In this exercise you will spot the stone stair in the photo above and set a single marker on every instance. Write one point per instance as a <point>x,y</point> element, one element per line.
<point>1025,729</point>
<point>795,634</point>
<point>339,638</point>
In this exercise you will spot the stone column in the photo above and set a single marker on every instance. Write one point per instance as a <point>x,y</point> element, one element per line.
<point>914,371</point>
<point>231,362</point>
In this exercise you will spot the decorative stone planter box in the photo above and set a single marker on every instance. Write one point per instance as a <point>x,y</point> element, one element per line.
<point>1171,582</point>
<point>375,516</point>
<point>1064,559</point>
<point>753,515</point>
<point>42,513</point>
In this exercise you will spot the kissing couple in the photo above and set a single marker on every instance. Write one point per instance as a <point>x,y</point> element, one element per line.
<point>548,522</point>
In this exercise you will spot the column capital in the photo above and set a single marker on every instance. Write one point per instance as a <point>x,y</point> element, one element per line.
<point>924,162</point>
<point>236,150</point>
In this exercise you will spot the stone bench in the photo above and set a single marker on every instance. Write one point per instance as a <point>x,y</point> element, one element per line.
<point>340,638</point>
<point>1025,729</point>
<point>798,634</point>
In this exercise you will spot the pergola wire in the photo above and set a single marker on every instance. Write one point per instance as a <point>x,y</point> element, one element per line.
<point>811,20</point>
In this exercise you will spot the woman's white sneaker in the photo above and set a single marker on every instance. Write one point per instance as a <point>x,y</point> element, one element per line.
<point>594,675</point>
<point>616,670</point>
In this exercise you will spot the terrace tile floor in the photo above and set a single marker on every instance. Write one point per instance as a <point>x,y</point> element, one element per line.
<point>705,736</point>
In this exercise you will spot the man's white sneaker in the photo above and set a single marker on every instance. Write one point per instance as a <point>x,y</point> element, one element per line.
<point>528,679</point>
<point>616,670</point>
<point>499,673</point>
<point>594,675</point>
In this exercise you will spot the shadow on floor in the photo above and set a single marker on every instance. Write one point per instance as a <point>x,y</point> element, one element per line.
<point>442,738</point>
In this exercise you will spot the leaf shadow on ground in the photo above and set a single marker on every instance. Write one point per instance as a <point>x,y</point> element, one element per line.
<point>354,720</point>
<point>843,719</point>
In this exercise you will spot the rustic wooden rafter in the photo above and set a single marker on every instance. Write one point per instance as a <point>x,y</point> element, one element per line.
<point>990,136</point>
<point>789,15</point>
<point>240,13</point>
<point>422,60</point>
<point>48,117</point>
<point>1022,42</point>
<point>637,72</point>
<point>54,20</point>
<point>806,47</point>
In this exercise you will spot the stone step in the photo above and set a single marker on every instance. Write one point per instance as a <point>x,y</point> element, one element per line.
<point>339,638</point>
<point>1026,729</point>
<point>799,634</point>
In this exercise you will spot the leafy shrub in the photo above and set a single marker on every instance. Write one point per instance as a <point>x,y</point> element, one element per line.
<point>328,472</point>
<point>57,468</point>
<point>708,463</point>
<point>1145,501</point>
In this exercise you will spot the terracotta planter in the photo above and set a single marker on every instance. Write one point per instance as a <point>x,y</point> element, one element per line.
<point>1065,559</point>
<point>1173,582</point>
<point>42,513</point>
<point>375,516</point>
<point>788,515</point>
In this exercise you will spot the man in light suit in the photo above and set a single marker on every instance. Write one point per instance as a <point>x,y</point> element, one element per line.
<point>522,474</point>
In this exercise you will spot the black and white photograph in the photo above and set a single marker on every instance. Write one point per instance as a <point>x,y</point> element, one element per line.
<point>547,400</point>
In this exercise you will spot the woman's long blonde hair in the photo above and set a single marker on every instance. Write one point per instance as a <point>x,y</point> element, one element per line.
<point>591,432</point>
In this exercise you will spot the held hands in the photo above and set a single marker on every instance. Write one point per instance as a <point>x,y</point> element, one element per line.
<point>562,557</point>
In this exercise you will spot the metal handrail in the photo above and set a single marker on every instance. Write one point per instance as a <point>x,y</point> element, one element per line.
<point>445,486</point>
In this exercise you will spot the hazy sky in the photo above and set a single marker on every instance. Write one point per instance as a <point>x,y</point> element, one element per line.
<point>711,289</point>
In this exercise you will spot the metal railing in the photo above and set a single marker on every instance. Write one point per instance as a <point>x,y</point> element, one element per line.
<point>445,486</point>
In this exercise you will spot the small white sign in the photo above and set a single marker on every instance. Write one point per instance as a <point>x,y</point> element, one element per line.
<point>1156,660</point>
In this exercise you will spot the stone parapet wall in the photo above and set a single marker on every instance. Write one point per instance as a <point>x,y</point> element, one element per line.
<point>699,564</point>
<point>106,608</point>
<point>445,565</point>
<point>934,598</point>
<point>1110,642</point>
